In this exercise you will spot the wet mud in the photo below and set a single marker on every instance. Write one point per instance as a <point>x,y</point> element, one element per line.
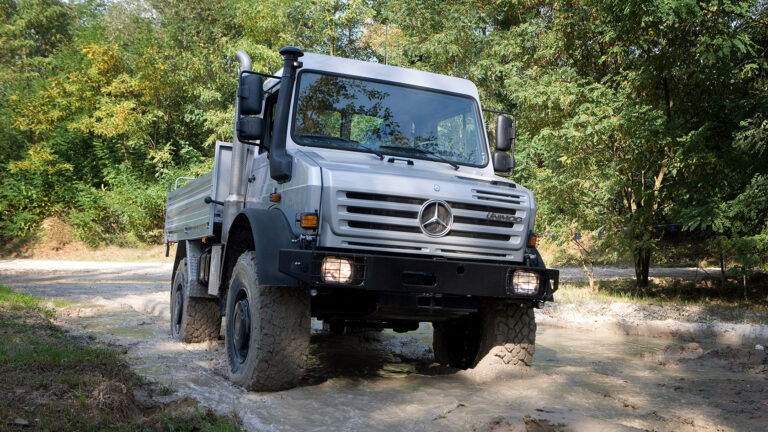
<point>383,381</point>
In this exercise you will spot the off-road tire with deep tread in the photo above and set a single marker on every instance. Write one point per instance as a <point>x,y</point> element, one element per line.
<point>278,342</point>
<point>508,333</point>
<point>200,318</point>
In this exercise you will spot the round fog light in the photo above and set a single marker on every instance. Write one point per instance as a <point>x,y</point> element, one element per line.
<point>336,269</point>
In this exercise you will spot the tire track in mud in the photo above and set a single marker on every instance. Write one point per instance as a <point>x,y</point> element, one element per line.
<point>384,381</point>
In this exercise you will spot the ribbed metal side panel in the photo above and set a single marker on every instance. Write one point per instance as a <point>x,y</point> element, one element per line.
<point>187,215</point>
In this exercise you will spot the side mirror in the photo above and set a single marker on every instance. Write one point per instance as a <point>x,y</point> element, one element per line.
<point>503,163</point>
<point>250,129</point>
<point>505,134</point>
<point>250,94</point>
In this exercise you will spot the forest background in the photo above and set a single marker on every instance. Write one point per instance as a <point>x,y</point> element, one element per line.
<point>642,124</point>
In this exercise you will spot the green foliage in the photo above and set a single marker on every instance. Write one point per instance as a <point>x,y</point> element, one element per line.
<point>629,112</point>
<point>631,115</point>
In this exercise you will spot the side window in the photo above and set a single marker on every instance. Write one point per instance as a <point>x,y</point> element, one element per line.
<point>458,135</point>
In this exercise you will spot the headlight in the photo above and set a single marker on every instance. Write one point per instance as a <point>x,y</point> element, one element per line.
<point>525,282</point>
<point>336,269</point>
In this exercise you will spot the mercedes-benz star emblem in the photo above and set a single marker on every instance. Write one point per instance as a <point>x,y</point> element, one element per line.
<point>435,218</point>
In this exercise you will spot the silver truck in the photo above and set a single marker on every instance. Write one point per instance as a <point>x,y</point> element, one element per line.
<point>364,195</point>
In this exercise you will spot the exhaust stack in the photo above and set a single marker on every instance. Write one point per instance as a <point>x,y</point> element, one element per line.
<point>236,198</point>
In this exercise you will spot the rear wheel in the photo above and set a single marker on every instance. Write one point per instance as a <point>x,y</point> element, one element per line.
<point>502,333</point>
<point>267,332</point>
<point>456,342</point>
<point>193,319</point>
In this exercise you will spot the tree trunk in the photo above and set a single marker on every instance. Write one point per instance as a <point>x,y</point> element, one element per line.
<point>744,279</point>
<point>589,272</point>
<point>642,264</point>
<point>722,270</point>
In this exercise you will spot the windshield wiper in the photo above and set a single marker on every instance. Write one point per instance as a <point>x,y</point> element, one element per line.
<point>346,140</point>
<point>434,155</point>
<point>370,150</point>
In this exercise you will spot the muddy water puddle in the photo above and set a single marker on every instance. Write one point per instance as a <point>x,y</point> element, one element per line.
<point>382,381</point>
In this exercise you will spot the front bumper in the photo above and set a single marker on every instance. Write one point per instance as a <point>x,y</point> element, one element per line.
<point>419,275</point>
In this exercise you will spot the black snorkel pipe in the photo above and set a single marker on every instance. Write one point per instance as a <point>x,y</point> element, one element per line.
<point>280,163</point>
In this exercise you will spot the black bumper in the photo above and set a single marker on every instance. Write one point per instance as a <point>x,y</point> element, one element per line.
<point>419,275</point>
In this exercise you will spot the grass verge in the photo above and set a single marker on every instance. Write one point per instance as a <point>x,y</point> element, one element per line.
<point>53,381</point>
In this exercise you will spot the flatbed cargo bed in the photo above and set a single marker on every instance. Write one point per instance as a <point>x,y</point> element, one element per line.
<point>187,214</point>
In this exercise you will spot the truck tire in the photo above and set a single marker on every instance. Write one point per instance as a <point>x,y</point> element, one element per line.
<point>193,319</point>
<point>508,334</point>
<point>267,331</point>
<point>502,331</point>
<point>456,342</point>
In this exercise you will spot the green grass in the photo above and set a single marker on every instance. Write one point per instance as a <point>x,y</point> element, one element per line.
<point>22,302</point>
<point>60,303</point>
<point>55,381</point>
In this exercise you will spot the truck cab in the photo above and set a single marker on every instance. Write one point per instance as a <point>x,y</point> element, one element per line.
<point>363,195</point>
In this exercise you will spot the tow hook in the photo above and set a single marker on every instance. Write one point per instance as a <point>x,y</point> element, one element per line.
<point>304,241</point>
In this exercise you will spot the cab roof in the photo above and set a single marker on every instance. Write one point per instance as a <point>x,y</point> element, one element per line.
<point>344,66</point>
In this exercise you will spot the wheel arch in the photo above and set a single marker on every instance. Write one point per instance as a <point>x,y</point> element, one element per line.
<point>264,232</point>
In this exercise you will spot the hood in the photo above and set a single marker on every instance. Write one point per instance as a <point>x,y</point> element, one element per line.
<point>385,206</point>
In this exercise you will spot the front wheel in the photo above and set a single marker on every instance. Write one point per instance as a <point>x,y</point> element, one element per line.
<point>508,335</point>
<point>267,332</point>
<point>193,319</point>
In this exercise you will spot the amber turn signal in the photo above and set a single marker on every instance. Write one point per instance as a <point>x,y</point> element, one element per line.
<point>532,240</point>
<point>274,197</point>
<point>309,220</point>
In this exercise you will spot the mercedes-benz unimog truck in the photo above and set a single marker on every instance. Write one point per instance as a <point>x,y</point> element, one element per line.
<point>363,195</point>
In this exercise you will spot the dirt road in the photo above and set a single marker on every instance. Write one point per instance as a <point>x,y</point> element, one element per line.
<point>582,380</point>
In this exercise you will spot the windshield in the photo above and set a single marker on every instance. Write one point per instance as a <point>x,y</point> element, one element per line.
<point>356,114</point>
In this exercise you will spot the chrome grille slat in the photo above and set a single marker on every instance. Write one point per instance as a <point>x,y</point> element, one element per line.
<point>378,204</point>
<point>485,229</point>
<point>484,214</point>
<point>504,194</point>
<point>498,199</point>
<point>357,217</point>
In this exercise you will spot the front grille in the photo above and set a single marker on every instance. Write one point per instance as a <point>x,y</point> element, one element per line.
<point>488,223</point>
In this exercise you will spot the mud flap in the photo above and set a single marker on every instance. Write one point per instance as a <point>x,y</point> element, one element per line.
<point>191,250</point>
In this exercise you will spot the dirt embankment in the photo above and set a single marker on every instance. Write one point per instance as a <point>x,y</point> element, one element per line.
<point>684,322</point>
<point>581,380</point>
<point>55,381</point>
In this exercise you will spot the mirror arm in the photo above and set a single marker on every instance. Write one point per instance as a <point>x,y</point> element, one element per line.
<point>499,112</point>
<point>250,72</point>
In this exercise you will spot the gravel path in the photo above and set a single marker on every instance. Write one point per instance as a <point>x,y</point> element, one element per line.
<point>582,379</point>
